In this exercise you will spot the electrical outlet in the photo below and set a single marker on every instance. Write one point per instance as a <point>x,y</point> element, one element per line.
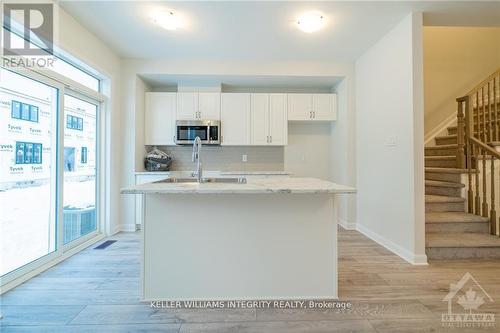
<point>391,141</point>
<point>244,158</point>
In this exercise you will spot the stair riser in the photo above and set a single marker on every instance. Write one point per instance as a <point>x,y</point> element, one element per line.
<point>450,253</point>
<point>444,207</point>
<point>452,131</point>
<point>441,152</point>
<point>445,177</point>
<point>459,227</point>
<point>441,163</point>
<point>446,141</point>
<point>438,190</point>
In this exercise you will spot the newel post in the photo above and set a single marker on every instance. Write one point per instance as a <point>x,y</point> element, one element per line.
<point>460,134</point>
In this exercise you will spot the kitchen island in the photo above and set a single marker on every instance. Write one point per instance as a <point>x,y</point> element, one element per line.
<point>268,238</point>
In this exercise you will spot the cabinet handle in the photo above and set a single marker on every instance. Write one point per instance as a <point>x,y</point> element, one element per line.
<point>314,114</point>
<point>310,114</point>
<point>270,139</point>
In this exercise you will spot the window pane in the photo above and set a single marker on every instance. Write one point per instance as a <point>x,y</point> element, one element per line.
<point>27,180</point>
<point>80,144</point>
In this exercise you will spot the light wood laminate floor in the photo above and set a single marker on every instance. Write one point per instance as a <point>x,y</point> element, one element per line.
<point>98,291</point>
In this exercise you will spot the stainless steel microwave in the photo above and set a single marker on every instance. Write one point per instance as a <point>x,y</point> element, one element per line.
<point>187,130</point>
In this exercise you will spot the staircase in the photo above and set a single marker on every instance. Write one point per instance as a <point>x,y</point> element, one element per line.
<point>455,228</point>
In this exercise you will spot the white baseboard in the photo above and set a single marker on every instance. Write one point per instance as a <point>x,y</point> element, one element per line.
<point>126,228</point>
<point>393,247</point>
<point>347,225</point>
<point>440,129</point>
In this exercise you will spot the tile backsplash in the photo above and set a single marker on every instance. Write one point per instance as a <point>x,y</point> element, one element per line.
<point>226,158</point>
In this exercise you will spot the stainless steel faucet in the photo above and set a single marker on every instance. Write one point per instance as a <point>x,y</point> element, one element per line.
<point>198,172</point>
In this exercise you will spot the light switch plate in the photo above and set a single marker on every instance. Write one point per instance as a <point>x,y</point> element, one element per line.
<point>244,158</point>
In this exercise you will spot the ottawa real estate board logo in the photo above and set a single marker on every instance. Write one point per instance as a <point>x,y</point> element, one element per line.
<point>470,296</point>
<point>28,34</point>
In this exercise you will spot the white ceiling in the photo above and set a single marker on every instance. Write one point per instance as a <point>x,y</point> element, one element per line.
<point>263,30</point>
<point>255,83</point>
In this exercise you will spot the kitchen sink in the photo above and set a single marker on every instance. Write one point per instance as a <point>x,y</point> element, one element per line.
<point>239,180</point>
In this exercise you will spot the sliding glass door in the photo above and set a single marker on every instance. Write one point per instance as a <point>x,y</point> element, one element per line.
<point>80,161</point>
<point>28,170</point>
<point>49,170</point>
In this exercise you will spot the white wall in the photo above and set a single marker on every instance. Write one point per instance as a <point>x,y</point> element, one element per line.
<point>133,67</point>
<point>389,105</point>
<point>308,150</point>
<point>455,60</point>
<point>80,43</point>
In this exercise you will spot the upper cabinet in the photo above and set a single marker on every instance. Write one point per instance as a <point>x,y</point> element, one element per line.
<point>159,118</point>
<point>268,116</point>
<point>312,107</point>
<point>196,106</point>
<point>235,119</point>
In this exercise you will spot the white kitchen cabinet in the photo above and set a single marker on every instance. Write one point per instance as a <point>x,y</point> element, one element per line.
<point>259,123</point>
<point>299,106</point>
<point>269,119</point>
<point>235,119</point>
<point>278,120</point>
<point>196,106</point>
<point>312,107</point>
<point>324,107</point>
<point>209,105</point>
<point>159,118</point>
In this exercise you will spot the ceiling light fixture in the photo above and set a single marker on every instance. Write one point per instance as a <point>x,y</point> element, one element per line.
<point>311,21</point>
<point>167,20</point>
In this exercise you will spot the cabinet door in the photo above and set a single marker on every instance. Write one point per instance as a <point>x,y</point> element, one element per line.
<point>259,116</point>
<point>235,119</point>
<point>159,118</point>
<point>300,106</point>
<point>187,106</point>
<point>324,106</point>
<point>278,122</point>
<point>209,105</point>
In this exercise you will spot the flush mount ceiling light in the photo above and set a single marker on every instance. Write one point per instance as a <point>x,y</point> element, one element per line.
<point>167,19</point>
<point>311,21</point>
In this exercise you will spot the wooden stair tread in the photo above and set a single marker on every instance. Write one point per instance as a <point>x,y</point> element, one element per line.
<point>494,143</point>
<point>449,146</point>
<point>462,240</point>
<point>443,184</point>
<point>454,217</point>
<point>450,136</point>
<point>448,170</point>
<point>441,158</point>
<point>430,198</point>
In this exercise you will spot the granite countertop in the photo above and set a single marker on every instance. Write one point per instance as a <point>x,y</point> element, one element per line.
<point>215,173</point>
<point>253,186</point>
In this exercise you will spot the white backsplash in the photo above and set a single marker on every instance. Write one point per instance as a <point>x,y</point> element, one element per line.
<point>225,158</point>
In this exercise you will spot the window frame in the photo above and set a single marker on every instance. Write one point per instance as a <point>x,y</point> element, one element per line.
<point>65,86</point>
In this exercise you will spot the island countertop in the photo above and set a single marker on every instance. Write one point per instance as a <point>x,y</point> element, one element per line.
<point>253,186</point>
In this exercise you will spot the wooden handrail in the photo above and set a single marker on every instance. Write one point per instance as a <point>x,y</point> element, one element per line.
<point>478,86</point>
<point>478,122</point>
<point>490,150</point>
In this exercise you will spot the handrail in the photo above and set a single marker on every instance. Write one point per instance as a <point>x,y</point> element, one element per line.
<point>478,86</point>
<point>478,122</point>
<point>485,147</point>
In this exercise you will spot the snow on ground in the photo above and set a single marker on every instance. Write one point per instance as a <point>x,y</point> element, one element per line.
<point>26,227</point>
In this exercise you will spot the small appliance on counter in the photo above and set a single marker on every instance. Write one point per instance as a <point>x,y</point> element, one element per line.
<point>157,160</point>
